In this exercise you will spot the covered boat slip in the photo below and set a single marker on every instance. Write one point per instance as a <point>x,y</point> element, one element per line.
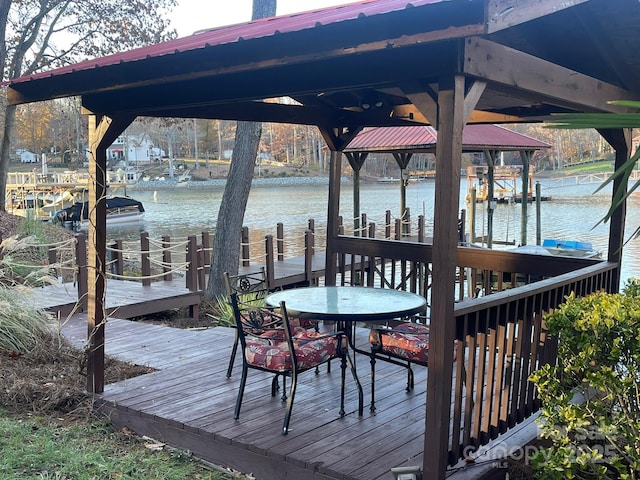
<point>395,63</point>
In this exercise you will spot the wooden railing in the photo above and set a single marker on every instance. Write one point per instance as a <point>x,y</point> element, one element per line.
<point>500,335</point>
<point>501,341</point>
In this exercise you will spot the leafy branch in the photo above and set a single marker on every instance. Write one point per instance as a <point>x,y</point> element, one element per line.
<point>606,121</point>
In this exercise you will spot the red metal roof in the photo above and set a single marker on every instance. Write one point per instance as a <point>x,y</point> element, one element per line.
<point>244,31</point>
<point>474,137</point>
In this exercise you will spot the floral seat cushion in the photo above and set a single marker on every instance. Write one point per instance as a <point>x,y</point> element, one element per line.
<point>303,322</point>
<point>276,356</point>
<point>408,341</point>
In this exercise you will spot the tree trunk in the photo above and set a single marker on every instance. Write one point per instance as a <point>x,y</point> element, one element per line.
<point>5,152</point>
<point>5,149</point>
<point>226,242</point>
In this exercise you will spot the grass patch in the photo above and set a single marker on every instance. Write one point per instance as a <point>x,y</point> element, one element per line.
<point>37,448</point>
<point>586,168</point>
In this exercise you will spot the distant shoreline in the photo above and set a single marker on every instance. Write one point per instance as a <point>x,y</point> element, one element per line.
<point>218,183</point>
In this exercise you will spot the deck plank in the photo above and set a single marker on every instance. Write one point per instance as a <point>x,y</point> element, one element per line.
<point>188,402</point>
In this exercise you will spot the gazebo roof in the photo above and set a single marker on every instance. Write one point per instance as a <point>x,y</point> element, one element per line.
<point>475,138</point>
<point>543,59</point>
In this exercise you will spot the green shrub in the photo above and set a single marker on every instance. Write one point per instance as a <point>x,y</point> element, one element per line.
<point>22,325</point>
<point>223,314</point>
<point>591,399</point>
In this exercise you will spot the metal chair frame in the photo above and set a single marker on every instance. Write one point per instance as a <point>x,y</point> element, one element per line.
<point>270,318</point>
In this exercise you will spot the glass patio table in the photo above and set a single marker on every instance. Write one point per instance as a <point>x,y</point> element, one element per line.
<point>346,305</point>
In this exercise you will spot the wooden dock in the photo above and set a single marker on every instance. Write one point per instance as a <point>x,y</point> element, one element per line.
<point>125,298</point>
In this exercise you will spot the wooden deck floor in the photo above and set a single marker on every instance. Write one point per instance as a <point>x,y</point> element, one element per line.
<point>188,403</point>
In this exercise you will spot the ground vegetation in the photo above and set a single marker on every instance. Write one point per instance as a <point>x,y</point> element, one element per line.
<point>48,426</point>
<point>590,399</point>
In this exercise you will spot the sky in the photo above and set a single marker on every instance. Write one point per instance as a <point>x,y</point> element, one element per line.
<point>193,15</point>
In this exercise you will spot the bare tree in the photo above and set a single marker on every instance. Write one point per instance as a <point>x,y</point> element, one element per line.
<point>226,243</point>
<point>36,34</point>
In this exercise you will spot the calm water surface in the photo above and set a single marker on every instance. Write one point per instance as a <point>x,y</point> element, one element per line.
<point>572,213</point>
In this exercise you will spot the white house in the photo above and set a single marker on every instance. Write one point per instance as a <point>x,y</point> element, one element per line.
<point>26,156</point>
<point>133,149</point>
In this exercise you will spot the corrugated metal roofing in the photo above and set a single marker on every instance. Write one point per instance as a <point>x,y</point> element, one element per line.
<point>245,31</point>
<point>474,137</point>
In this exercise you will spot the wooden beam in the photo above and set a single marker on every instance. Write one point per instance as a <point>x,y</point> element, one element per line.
<point>337,138</point>
<point>412,113</point>
<point>473,97</point>
<point>102,132</point>
<point>451,108</point>
<point>424,99</point>
<point>503,14</point>
<point>356,160</point>
<point>279,113</point>
<point>549,82</point>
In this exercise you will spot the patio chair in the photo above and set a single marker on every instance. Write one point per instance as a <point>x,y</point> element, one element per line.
<point>403,344</point>
<point>251,289</point>
<point>289,357</point>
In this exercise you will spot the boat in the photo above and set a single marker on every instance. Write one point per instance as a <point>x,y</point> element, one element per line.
<point>561,248</point>
<point>388,180</point>
<point>570,248</point>
<point>120,210</point>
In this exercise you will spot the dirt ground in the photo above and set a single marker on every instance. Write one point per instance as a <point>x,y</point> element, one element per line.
<point>50,380</point>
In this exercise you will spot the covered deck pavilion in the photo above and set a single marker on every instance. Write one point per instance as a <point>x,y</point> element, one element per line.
<point>444,63</point>
<point>404,142</point>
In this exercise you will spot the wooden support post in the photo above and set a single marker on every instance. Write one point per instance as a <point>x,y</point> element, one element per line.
<point>200,268</point>
<point>308,257</point>
<point>472,216</point>
<point>620,140</point>
<point>526,188</point>
<point>312,230</point>
<point>244,241</point>
<point>335,174</point>
<point>398,229</point>
<point>280,241</point>
<point>387,224</point>
<point>166,257</point>
<point>538,215</point>
<point>406,222</point>
<point>145,261</point>
<point>269,261</point>
<point>52,257</point>
<point>451,103</point>
<point>82,274</point>
<point>491,157</point>
<point>192,263</point>
<point>206,252</point>
<point>421,227</point>
<point>117,259</point>
<point>103,131</point>
<point>372,230</point>
<point>96,255</point>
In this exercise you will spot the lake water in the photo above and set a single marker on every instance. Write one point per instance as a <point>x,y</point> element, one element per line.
<point>572,213</point>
